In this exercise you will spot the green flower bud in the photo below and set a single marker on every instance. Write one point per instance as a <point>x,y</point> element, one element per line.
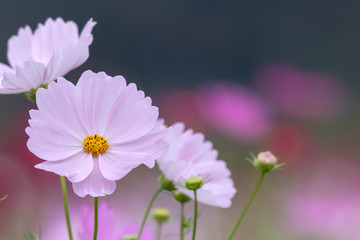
<point>161,215</point>
<point>181,197</point>
<point>166,184</point>
<point>194,183</point>
<point>186,223</point>
<point>130,237</point>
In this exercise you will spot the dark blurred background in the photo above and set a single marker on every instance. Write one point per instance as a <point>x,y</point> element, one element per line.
<point>252,75</point>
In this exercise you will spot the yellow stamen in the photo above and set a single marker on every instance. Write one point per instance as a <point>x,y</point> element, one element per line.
<point>95,144</point>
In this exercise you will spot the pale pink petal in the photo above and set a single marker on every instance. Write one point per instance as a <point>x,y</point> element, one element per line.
<point>19,47</point>
<point>61,62</point>
<point>94,104</point>
<point>50,140</point>
<point>54,34</point>
<point>57,102</point>
<point>49,129</point>
<point>144,142</point>
<point>115,165</point>
<point>212,170</point>
<point>4,69</point>
<point>177,170</point>
<point>131,117</point>
<point>121,158</point>
<point>86,36</point>
<point>76,168</point>
<point>95,184</point>
<point>65,53</point>
<point>26,77</point>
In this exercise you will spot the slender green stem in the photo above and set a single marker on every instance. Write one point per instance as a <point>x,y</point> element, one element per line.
<point>182,220</point>
<point>147,211</point>
<point>195,215</point>
<point>96,216</point>
<point>158,230</point>
<point>247,206</point>
<point>66,206</point>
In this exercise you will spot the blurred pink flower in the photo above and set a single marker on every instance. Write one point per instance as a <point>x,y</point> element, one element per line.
<point>299,93</point>
<point>107,229</point>
<point>83,225</point>
<point>324,205</point>
<point>94,133</point>
<point>37,58</point>
<point>234,111</point>
<point>190,155</point>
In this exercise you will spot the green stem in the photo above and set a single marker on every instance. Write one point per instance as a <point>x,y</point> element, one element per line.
<point>195,215</point>
<point>158,230</point>
<point>66,206</point>
<point>182,220</point>
<point>96,216</point>
<point>247,206</point>
<point>147,211</point>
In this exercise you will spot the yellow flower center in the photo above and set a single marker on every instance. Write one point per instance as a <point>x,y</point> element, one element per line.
<point>95,144</point>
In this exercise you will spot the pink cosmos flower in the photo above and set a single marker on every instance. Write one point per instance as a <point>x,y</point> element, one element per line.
<point>38,57</point>
<point>190,155</point>
<point>234,111</point>
<point>94,133</point>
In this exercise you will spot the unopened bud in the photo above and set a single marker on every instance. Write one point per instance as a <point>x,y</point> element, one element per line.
<point>266,159</point>
<point>181,197</point>
<point>166,184</point>
<point>186,223</point>
<point>194,183</point>
<point>161,215</point>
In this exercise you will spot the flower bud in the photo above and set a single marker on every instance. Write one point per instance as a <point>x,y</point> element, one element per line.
<point>166,184</point>
<point>161,215</point>
<point>194,183</point>
<point>130,237</point>
<point>181,197</point>
<point>266,159</point>
<point>186,223</point>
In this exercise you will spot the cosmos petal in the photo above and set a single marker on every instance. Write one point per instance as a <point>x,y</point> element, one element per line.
<point>95,184</point>
<point>76,168</point>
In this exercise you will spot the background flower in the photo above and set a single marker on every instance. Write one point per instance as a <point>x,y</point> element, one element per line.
<point>190,155</point>
<point>234,111</point>
<point>37,58</point>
